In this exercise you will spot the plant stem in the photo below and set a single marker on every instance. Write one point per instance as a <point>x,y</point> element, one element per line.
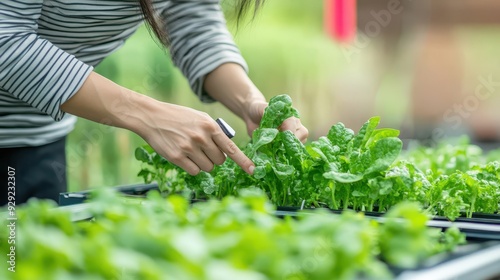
<point>346,201</point>
<point>332,186</point>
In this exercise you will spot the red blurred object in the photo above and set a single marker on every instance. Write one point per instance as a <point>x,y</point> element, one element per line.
<point>340,19</point>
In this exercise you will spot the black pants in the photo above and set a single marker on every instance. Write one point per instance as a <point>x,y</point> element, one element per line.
<point>38,172</point>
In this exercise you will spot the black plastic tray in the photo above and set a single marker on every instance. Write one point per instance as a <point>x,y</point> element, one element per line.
<point>72,198</point>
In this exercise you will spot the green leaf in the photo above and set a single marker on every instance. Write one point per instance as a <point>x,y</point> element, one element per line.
<point>343,177</point>
<point>383,153</point>
<point>260,172</point>
<point>340,136</point>
<point>261,137</point>
<point>283,171</point>
<point>365,133</point>
<point>295,150</point>
<point>143,155</point>
<point>146,175</point>
<point>279,109</point>
<point>381,134</point>
<point>405,242</point>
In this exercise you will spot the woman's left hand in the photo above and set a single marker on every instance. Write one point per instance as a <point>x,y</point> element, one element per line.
<point>255,113</point>
<point>230,85</point>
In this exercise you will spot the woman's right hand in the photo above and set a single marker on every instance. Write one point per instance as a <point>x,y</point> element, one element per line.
<point>186,137</point>
<point>190,139</point>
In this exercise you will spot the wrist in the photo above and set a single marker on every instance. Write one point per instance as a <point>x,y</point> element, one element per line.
<point>252,105</point>
<point>134,112</point>
<point>230,85</point>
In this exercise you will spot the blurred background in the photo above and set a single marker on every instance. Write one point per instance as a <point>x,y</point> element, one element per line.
<point>428,68</point>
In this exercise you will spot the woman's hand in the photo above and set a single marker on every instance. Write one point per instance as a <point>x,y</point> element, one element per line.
<point>191,139</point>
<point>230,85</point>
<point>188,138</point>
<point>295,125</point>
<point>254,116</point>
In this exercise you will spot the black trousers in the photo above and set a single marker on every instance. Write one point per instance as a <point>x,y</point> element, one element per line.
<point>38,172</point>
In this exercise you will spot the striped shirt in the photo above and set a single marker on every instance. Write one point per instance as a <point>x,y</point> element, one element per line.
<point>49,47</point>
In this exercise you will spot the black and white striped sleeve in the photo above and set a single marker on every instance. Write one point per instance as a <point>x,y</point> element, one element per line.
<point>200,40</point>
<point>31,68</point>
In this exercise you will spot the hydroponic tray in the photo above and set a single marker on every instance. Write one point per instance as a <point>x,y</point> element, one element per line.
<point>481,227</point>
<point>479,231</point>
<point>475,261</point>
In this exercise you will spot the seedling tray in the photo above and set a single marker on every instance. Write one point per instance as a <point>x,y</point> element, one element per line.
<point>481,227</point>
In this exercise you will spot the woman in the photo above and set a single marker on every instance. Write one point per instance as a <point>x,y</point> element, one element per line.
<point>47,53</point>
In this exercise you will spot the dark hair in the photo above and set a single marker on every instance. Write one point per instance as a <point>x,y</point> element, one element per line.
<point>156,24</point>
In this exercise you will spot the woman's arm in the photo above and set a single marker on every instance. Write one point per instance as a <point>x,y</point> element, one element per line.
<point>204,50</point>
<point>230,85</point>
<point>186,137</point>
<point>33,69</point>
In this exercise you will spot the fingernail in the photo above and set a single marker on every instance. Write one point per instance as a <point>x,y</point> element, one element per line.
<point>251,169</point>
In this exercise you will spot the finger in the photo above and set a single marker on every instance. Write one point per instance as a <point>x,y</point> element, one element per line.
<point>232,151</point>
<point>261,108</point>
<point>289,124</point>
<point>294,125</point>
<point>202,161</point>
<point>214,154</point>
<point>187,164</point>
<point>302,133</point>
<point>298,124</point>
